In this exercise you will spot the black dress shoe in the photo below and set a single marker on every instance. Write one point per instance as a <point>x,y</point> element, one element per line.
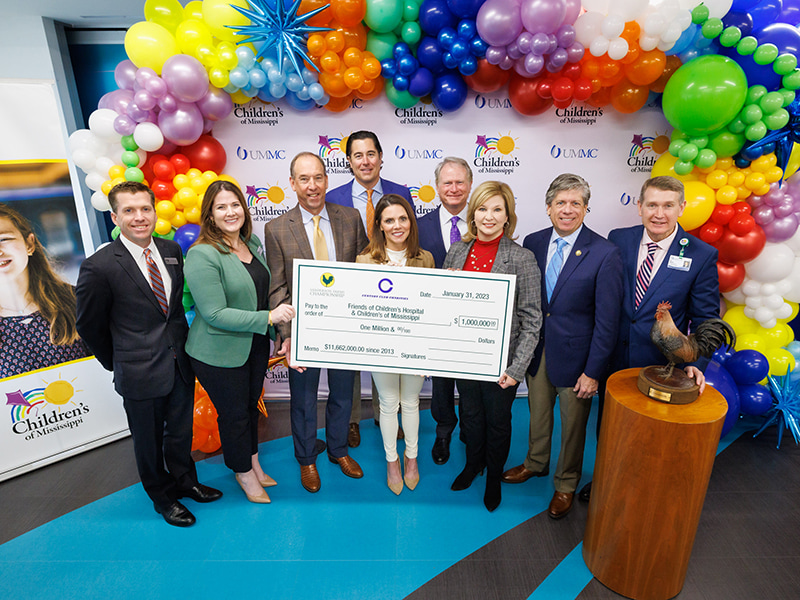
<point>441,450</point>
<point>201,493</point>
<point>586,492</point>
<point>491,497</point>
<point>464,479</point>
<point>176,514</point>
<point>319,447</point>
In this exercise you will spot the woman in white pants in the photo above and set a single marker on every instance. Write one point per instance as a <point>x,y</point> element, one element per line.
<point>394,241</point>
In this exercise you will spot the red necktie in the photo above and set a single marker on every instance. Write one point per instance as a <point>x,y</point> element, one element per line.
<point>155,281</point>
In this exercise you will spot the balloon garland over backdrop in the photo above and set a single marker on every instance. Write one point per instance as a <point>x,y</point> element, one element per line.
<point>725,72</point>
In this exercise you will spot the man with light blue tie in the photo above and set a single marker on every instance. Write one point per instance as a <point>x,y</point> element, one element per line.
<point>581,302</point>
<point>437,231</point>
<point>365,155</point>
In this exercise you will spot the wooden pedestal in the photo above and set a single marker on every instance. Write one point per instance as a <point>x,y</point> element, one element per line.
<point>652,469</point>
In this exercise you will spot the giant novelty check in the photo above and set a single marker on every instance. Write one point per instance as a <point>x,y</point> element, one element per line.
<point>401,319</point>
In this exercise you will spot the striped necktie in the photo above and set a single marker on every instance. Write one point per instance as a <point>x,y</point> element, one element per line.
<point>370,214</point>
<point>644,274</point>
<point>155,281</point>
<point>554,268</point>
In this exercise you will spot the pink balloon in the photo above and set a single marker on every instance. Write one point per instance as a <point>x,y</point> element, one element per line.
<point>183,126</point>
<point>499,22</point>
<point>124,74</point>
<point>185,77</point>
<point>144,100</point>
<point>781,230</point>
<point>544,16</point>
<point>216,104</point>
<point>573,10</point>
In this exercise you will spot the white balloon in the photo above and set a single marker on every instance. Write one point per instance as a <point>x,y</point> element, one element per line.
<point>753,302</point>
<point>773,264</point>
<point>793,280</point>
<point>629,10</point>
<point>769,289</point>
<point>612,27</point>
<point>599,46</point>
<point>784,312</point>
<point>765,316</point>
<point>749,312</point>
<point>654,24</point>
<point>735,296</point>
<point>587,27</point>
<point>100,201</point>
<point>718,8</point>
<point>672,32</point>
<point>750,287</point>
<point>773,302</point>
<point>683,18</point>
<point>617,48</point>
<point>142,156</point>
<point>600,6</point>
<point>148,137</point>
<point>103,165</point>
<point>94,180</point>
<point>84,159</point>
<point>648,43</point>
<point>101,123</point>
<point>794,242</point>
<point>79,139</point>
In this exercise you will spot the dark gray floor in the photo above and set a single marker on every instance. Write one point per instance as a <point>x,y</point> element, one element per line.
<point>747,545</point>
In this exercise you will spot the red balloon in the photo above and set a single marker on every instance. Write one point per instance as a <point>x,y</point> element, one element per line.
<point>181,163</point>
<point>711,232</point>
<point>524,98</point>
<point>488,78</point>
<point>742,224</point>
<point>163,190</point>
<point>734,249</point>
<point>583,89</point>
<point>164,170</point>
<point>206,154</point>
<point>722,214</point>
<point>742,208</point>
<point>562,89</point>
<point>730,276</point>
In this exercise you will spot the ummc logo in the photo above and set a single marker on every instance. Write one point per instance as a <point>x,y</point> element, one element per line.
<point>416,154</point>
<point>385,285</point>
<point>484,102</point>
<point>245,154</point>
<point>626,199</point>
<point>558,152</point>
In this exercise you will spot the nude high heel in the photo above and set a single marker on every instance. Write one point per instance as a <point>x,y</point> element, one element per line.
<point>262,498</point>
<point>397,485</point>
<point>411,479</point>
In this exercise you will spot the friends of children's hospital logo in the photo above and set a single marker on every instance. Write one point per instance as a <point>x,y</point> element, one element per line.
<point>494,154</point>
<point>266,201</point>
<point>332,152</point>
<point>645,151</point>
<point>42,411</point>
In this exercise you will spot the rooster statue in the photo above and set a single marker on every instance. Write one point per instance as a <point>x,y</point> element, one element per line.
<point>709,336</point>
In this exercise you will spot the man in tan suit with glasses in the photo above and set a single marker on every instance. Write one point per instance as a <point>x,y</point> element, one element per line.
<point>314,229</point>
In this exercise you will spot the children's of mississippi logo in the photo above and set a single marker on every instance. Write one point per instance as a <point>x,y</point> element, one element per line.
<point>266,201</point>
<point>422,195</point>
<point>494,154</point>
<point>645,150</point>
<point>40,411</point>
<point>332,152</point>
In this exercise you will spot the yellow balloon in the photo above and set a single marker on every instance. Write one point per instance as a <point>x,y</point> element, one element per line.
<point>192,173</point>
<point>192,214</point>
<point>219,14</point>
<point>794,161</point>
<point>795,309</point>
<point>106,187</point>
<point>187,197</point>
<point>163,227</point>
<point>778,336</point>
<point>116,171</point>
<point>226,177</point>
<point>165,210</point>
<point>240,97</point>
<point>190,34</point>
<point>741,323</point>
<point>751,341</point>
<point>665,165</point>
<point>700,202</point>
<point>167,13</point>
<point>149,45</point>
<point>779,360</point>
<point>194,10</point>
<point>178,221</point>
<point>180,181</point>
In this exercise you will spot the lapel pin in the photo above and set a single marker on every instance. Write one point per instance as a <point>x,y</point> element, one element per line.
<point>577,252</point>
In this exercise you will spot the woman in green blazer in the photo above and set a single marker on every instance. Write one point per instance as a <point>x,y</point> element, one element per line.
<point>228,341</point>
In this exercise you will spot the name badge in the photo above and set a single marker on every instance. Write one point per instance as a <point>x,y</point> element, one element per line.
<point>170,260</point>
<point>680,263</point>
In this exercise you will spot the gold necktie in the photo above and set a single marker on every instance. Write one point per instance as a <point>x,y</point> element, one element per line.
<point>370,214</point>
<point>320,247</point>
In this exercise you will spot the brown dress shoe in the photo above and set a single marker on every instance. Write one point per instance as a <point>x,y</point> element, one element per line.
<point>354,436</point>
<point>521,474</point>
<point>560,505</point>
<point>348,465</point>
<point>309,477</point>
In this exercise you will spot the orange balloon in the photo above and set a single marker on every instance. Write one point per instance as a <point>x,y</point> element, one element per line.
<point>631,32</point>
<point>601,97</point>
<point>673,64</point>
<point>372,88</point>
<point>213,444</point>
<point>199,437</point>
<point>354,37</point>
<point>611,72</point>
<point>320,20</point>
<point>349,12</point>
<point>329,62</point>
<point>334,84</point>
<point>339,104</point>
<point>627,97</point>
<point>647,68</point>
<point>370,66</point>
<point>335,40</point>
<point>352,57</point>
<point>633,53</point>
<point>316,45</point>
<point>353,78</point>
<point>590,67</point>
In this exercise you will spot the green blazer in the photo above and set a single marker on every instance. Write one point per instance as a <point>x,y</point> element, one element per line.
<point>225,302</point>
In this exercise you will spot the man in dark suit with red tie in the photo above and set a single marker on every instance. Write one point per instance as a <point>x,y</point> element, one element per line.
<point>581,295</point>
<point>130,314</point>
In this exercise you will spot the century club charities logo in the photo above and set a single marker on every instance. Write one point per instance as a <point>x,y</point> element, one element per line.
<point>332,151</point>
<point>645,150</point>
<point>495,154</point>
<point>385,285</point>
<point>266,203</point>
<point>42,411</point>
<point>258,113</point>
<point>423,197</point>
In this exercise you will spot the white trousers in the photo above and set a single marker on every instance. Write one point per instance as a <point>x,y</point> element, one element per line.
<point>399,391</point>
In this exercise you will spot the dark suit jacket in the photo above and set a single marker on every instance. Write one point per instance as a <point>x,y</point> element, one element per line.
<point>122,323</point>
<point>430,236</point>
<point>343,195</point>
<point>581,320</point>
<point>285,239</point>
<point>526,319</point>
<point>694,295</point>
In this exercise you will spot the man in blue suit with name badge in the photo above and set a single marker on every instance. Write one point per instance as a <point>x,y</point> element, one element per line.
<point>581,298</point>
<point>365,155</point>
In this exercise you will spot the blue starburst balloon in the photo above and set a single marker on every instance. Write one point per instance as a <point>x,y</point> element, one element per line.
<point>280,28</point>
<point>785,412</point>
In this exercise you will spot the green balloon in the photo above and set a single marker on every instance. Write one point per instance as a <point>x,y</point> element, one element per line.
<point>688,152</point>
<point>785,64</point>
<point>730,36</point>
<point>381,44</point>
<point>771,102</point>
<point>128,143</point>
<point>411,33</point>
<point>777,120</point>
<point>115,232</point>
<point>683,167</point>
<point>756,131</point>
<point>700,142</point>
<point>134,174</point>
<point>675,147</point>
<point>130,158</point>
<point>411,10</point>
<point>712,28</point>
<point>788,96</point>
<point>792,80</point>
<point>747,45</point>
<point>383,15</point>
<point>751,114</point>
<point>706,158</point>
<point>399,99</point>
<point>726,143</point>
<point>765,54</point>
<point>755,93</point>
<point>705,94</point>
<point>700,14</point>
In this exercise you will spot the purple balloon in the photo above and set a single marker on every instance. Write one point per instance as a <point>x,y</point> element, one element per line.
<point>558,59</point>
<point>167,103</point>
<point>534,64</point>
<point>565,36</point>
<point>524,42</point>
<point>781,230</point>
<point>124,125</point>
<point>763,215</point>
<point>136,113</point>
<point>183,126</point>
<point>495,55</point>
<point>499,21</point>
<point>514,51</point>
<point>185,77</point>
<point>144,100</point>
<point>575,52</point>
<point>506,63</point>
<point>573,10</point>
<point>118,101</point>
<point>544,16</point>
<point>540,43</point>
<point>216,104</point>
<point>144,75</point>
<point>156,87</point>
<point>125,74</point>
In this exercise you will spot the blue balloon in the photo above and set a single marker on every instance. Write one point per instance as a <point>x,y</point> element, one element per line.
<point>791,12</point>
<point>468,66</point>
<point>744,5</point>
<point>747,366</point>
<point>389,68</point>
<point>430,55</point>
<point>400,82</point>
<point>434,14</point>
<point>466,9</point>
<point>467,29</point>
<point>739,19</point>
<point>722,381</point>
<point>722,354</point>
<point>449,92</point>
<point>756,74</point>
<point>686,39</point>
<point>785,37</point>
<point>186,235</point>
<point>764,13</point>
<point>754,399</point>
<point>401,49</point>
<point>407,65</point>
<point>298,104</point>
<point>421,83</point>
<point>446,37</point>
